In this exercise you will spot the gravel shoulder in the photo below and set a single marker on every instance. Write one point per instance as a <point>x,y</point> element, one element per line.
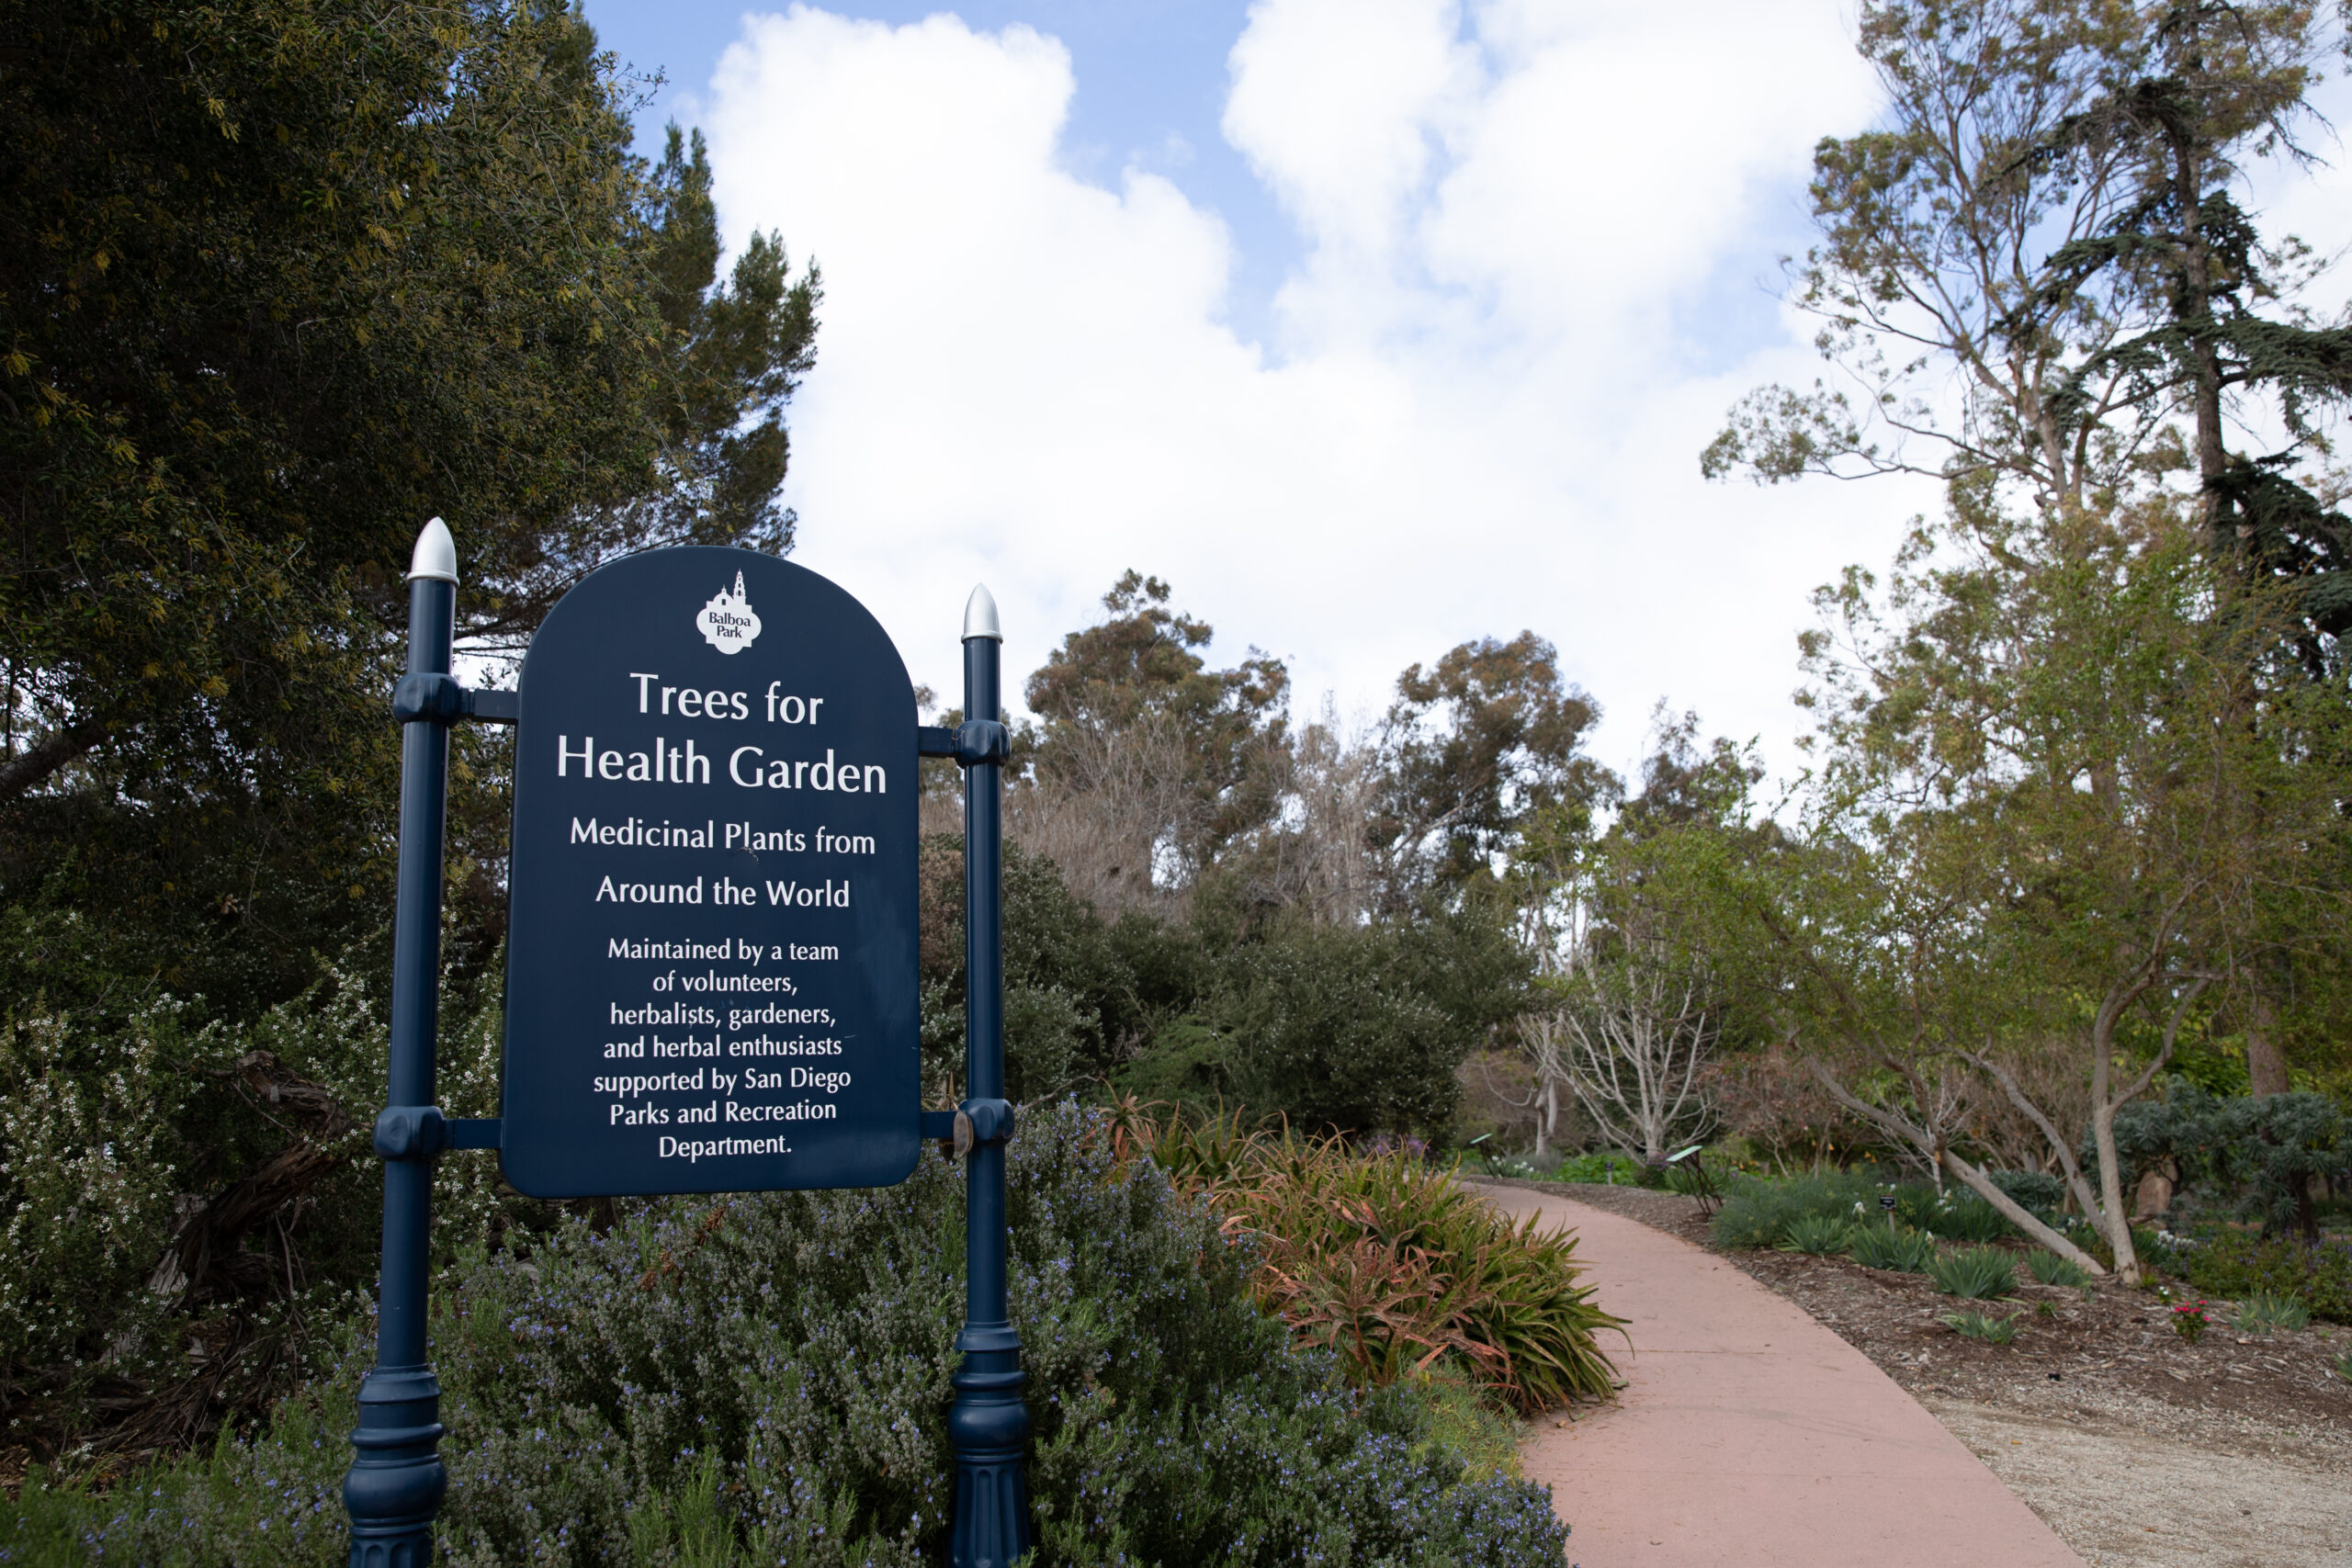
<point>2139,1450</point>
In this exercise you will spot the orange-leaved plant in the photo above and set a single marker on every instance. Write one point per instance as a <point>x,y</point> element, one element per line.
<point>1388,1261</point>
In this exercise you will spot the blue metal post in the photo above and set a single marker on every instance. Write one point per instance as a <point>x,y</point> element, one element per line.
<point>396,1479</point>
<point>988,1425</point>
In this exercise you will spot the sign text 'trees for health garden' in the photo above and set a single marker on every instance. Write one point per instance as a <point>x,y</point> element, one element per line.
<point>711,976</point>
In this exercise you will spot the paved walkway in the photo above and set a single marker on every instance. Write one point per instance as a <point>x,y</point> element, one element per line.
<point>1748,1435</point>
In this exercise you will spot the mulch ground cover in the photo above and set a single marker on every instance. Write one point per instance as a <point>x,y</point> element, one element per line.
<point>2104,1356</point>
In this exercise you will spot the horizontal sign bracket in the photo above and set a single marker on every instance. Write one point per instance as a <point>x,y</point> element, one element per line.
<point>439,699</point>
<point>976,742</point>
<point>474,1133</point>
<point>420,1132</point>
<point>938,1124</point>
<point>490,707</point>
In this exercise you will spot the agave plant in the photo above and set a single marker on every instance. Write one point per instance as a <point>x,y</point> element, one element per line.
<point>1389,1261</point>
<point>1975,1273</point>
<point>2265,1314</point>
<point>1882,1247</point>
<point>2053,1269</point>
<point>1817,1234</point>
<point>1980,1326</point>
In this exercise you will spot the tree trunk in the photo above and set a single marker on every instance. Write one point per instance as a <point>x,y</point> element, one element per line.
<point>1939,1159</point>
<point>30,766</point>
<point>2266,1065</point>
<point>2078,1192</point>
<point>2016,1213</point>
<point>2193,299</point>
<point>2114,1218</point>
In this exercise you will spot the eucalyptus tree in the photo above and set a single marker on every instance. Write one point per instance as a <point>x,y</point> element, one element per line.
<point>2037,280</point>
<point>1148,765</point>
<point>1480,750</point>
<point>2039,734</point>
<point>2034,279</point>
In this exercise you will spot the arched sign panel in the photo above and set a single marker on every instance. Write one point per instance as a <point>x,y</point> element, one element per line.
<point>710,980</point>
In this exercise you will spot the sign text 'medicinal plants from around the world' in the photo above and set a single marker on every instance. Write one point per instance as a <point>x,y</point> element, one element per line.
<point>711,980</point>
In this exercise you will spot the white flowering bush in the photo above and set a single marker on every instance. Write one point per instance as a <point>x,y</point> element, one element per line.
<point>764,1380</point>
<point>87,1176</point>
<point>187,1205</point>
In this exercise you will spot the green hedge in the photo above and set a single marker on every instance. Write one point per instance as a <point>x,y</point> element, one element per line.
<point>2234,1265</point>
<point>1759,1209</point>
<point>764,1379</point>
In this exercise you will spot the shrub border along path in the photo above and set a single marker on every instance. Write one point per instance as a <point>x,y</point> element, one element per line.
<point>1748,1433</point>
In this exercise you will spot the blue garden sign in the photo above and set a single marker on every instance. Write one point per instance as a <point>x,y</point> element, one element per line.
<point>710,982</point>
<point>711,978</point>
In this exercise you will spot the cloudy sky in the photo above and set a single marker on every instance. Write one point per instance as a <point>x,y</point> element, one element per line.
<point>1372,325</point>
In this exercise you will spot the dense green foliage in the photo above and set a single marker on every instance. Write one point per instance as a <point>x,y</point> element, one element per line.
<point>1817,1236</point>
<point>2232,1265</point>
<point>1330,1027</point>
<point>2036,1191</point>
<point>765,1379</point>
<point>1357,1029</point>
<point>2258,1154</point>
<point>132,1313</point>
<point>1884,1246</point>
<point>1757,1213</point>
<point>2075,815</point>
<point>1761,1210</point>
<point>1606,1167</point>
<point>287,279</point>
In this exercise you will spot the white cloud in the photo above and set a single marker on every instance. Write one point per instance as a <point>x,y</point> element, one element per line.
<point>1481,411</point>
<point>1338,105</point>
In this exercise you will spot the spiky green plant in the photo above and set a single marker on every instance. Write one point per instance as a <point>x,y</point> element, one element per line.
<point>1882,1247</point>
<point>2053,1269</point>
<point>2267,1313</point>
<point>1980,1326</point>
<point>1757,1212</point>
<point>1817,1236</point>
<point>1961,1215</point>
<point>1975,1273</point>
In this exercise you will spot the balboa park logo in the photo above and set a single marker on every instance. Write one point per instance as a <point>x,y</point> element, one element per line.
<point>727,622</point>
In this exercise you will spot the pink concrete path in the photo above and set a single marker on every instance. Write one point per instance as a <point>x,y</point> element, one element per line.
<point>1748,1435</point>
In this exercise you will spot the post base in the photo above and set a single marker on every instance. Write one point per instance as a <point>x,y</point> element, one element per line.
<point>396,1481</point>
<point>988,1428</point>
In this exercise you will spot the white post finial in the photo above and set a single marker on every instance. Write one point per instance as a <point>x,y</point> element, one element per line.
<point>980,615</point>
<point>437,554</point>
